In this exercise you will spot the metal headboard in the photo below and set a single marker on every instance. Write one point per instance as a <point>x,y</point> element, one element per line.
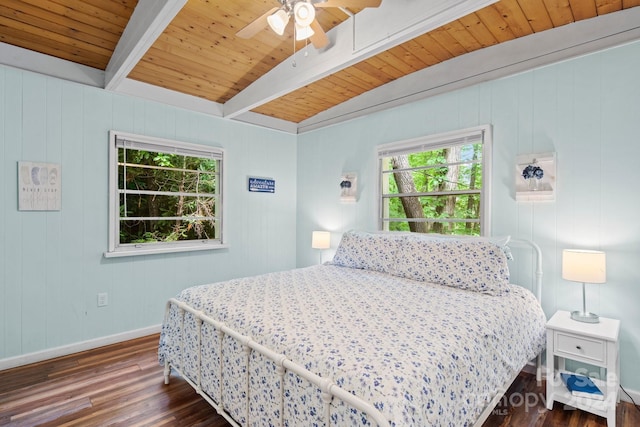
<point>524,243</point>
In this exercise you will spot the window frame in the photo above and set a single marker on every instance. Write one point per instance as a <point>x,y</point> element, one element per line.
<point>435,142</point>
<point>115,248</point>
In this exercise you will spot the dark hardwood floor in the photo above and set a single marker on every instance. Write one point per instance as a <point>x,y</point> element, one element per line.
<point>122,385</point>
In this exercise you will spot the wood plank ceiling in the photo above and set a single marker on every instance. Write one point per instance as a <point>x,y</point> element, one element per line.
<point>198,53</point>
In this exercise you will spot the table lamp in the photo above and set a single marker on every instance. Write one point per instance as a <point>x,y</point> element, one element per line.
<point>321,240</point>
<point>580,265</point>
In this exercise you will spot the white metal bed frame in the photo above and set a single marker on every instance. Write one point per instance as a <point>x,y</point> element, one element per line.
<point>328,388</point>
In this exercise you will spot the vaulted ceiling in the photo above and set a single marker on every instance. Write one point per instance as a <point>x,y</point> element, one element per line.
<point>187,53</point>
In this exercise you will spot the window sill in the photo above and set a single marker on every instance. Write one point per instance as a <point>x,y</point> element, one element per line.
<point>133,251</point>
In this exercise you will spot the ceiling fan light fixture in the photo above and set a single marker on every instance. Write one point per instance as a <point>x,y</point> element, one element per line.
<point>278,21</point>
<point>304,13</point>
<point>303,32</point>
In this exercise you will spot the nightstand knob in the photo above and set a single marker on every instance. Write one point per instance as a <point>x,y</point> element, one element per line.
<point>578,347</point>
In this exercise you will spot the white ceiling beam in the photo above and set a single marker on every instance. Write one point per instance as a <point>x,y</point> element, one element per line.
<point>498,61</point>
<point>170,97</point>
<point>195,103</point>
<point>36,62</point>
<point>354,40</point>
<point>263,121</point>
<point>148,21</point>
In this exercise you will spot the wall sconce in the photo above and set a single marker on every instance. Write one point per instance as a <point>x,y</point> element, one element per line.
<point>348,187</point>
<point>320,240</point>
<point>579,265</point>
<point>535,176</point>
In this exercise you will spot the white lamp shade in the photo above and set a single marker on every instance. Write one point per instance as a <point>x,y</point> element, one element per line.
<point>321,240</point>
<point>304,13</point>
<point>303,32</point>
<point>278,21</point>
<point>579,265</point>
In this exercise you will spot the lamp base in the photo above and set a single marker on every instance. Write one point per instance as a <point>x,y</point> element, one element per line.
<point>585,316</point>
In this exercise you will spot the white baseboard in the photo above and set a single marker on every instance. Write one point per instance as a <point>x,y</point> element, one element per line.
<point>65,350</point>
<point>635,394</point>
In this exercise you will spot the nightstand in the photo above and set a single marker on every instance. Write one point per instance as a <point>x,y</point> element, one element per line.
<point>592,343</point>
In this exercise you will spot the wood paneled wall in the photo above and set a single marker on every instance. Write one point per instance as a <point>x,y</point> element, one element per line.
<point>585,110</point>
<point>51,263</point>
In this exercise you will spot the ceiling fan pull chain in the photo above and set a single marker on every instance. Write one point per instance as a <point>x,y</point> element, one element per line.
<point>293,62</point>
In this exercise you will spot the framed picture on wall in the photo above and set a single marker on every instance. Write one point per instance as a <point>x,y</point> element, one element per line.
<point>39,186</point>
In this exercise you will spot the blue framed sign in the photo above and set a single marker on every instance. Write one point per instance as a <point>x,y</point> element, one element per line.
<point>262,185</point>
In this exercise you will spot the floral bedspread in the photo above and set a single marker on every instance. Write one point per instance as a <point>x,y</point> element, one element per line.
<point>423,354</point>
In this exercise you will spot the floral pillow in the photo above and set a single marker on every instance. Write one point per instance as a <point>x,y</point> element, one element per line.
<point>501,241</point>
<point>368,251</point>
<point>474,264</point>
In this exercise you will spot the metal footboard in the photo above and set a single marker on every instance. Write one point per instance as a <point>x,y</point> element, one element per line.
<point>283,366</point>
<point>328,388</point>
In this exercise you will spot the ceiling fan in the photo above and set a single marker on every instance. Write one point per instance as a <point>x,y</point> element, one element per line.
<point>303,12</point>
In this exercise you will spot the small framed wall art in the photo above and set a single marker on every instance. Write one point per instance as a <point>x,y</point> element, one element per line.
<point>39,186</point>
<point>261,185</point>
<point>536,177</point>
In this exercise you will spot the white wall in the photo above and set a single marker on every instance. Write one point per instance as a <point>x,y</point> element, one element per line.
<point>586,110</point>
<point>51,263</point>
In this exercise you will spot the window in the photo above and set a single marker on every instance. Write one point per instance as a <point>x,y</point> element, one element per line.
<point>437,184</point>
<point>165,196</point>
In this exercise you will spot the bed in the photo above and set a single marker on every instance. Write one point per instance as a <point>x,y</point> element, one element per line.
<point>398,330</point>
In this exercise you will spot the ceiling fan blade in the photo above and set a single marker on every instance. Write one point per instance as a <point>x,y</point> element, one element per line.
<point>359,4</point>
<point>257,25</point>
<point>319,38</point>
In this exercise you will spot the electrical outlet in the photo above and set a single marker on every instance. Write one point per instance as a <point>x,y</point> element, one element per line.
<point>103,299</point>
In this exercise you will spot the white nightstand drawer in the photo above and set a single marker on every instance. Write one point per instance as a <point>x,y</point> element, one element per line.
<point>585,348</point>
